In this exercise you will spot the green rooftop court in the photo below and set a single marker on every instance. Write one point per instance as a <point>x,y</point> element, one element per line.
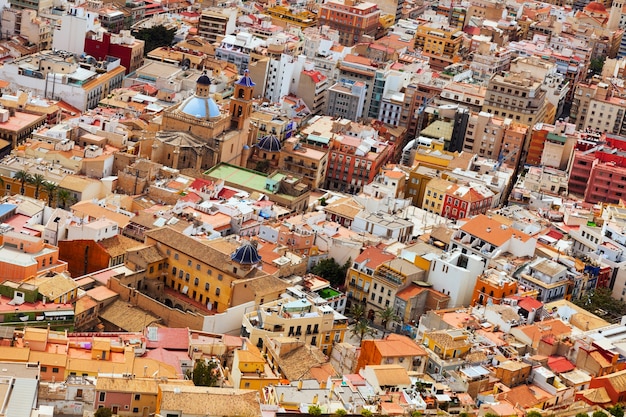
<point>243,176</point>
<point>327,293</point>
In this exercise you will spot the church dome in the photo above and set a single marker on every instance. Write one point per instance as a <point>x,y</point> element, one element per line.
<point>246,254</point>
<point>201,107</point>
<point>596,7</point>
<point>269,143</point>
<point>204,80</point>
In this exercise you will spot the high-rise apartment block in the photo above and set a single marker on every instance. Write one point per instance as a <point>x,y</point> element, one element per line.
<point>353,19</point>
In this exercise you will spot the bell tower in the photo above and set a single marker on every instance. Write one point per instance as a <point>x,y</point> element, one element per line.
<point>241,102</point>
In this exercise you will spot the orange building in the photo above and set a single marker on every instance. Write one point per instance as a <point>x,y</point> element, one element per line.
<point>493,287</point>
<point>394,349</point>
<point>24,256</point>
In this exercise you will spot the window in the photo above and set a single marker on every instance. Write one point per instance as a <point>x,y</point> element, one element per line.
<point>55,370</point>
<point>197,267</point>
<point>44,369</point>
<point>189,262</point>
<point>135,409</point>
<point>137,397</point>
<point>217,291</point>
<point>187,277</point>
<point>220,277</point>
<point>102,396</point>
<point>176,256</point>
<point>207,286</point>
<point>196,281</point>
<point>174,271</point>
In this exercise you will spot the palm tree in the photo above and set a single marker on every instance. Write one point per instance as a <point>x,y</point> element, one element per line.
<point>37,180</point>
<point>63,196</point>
<point>361,329</point>
<point>357,311</point>
<point>386,316</point>
<point>23,177</point>
<point>51,189</point>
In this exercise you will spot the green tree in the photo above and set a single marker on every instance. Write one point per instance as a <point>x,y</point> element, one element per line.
<point>596,65</point>
<point>582,415</point>
<point>329,269</point>
<point>599,413</point>
<point>37,180</point>
<point>63,197</point>
<point>262,166</point>
<point>533,414</point>
<point>204,374</point>
<point>617,410</point>
<point>155,37</point>
<point>417,413</point>
<point>601,303</point>
<point>103,412</point>
<point>341,412</point>
<point>315,410</point>
<point>491,415</point>
<point>386,316</point>
<point>51,189</point>
<point>357,311</point>
<point>361,329</point>
<point>366,413</point>
<point>23,177</point>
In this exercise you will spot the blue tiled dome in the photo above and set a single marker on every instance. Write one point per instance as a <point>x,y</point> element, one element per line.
<point>269,143</point>
<point>246,254</point>
<point>246,81</point>
<point>201,107</point>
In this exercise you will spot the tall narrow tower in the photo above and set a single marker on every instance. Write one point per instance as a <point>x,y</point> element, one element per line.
<point>241,102</point>
<point>615,15</point>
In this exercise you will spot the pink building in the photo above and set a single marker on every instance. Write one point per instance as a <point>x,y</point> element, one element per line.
<point>599,173</point>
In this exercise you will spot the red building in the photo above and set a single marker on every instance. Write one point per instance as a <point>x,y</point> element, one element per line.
<point>599,172</point>
<point>123,46</point>
<point>354,162</point>
<point>351,18</point>
<point>611,386</point>
<point>466,201</point>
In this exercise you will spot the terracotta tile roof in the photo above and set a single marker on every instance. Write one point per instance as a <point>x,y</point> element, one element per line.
<point>491,230</point>
<point>374,257</point>
<point>545,328</point>
<point>126,317</point>
<point>410,292</point>
<point>395,345</point>
<point>596,395</point>
<point>118,245</point>
<point>445,340</point>
<point>389,375</point>
<point>524,396</point>
<point>297,364</point>
<point>225,402</point>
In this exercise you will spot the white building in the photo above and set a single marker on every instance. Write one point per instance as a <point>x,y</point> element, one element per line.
<point>455,275</point>
<point>69,33</point>
<point>384,225</point>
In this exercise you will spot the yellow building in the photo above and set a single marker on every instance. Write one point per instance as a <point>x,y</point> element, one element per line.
<point>130,396</point>
<point>250,369</point>
<point>419,176</point>
<point>296,317</point>
<point>442,44</point>
<point>360,275</point>
<point>285,16</point>
<point>435,194</point>
<point>217,273</point>
<point>447,344</point>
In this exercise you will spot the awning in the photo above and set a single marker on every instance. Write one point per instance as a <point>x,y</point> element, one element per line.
<point>58,313</point>
<point>185,289</point>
